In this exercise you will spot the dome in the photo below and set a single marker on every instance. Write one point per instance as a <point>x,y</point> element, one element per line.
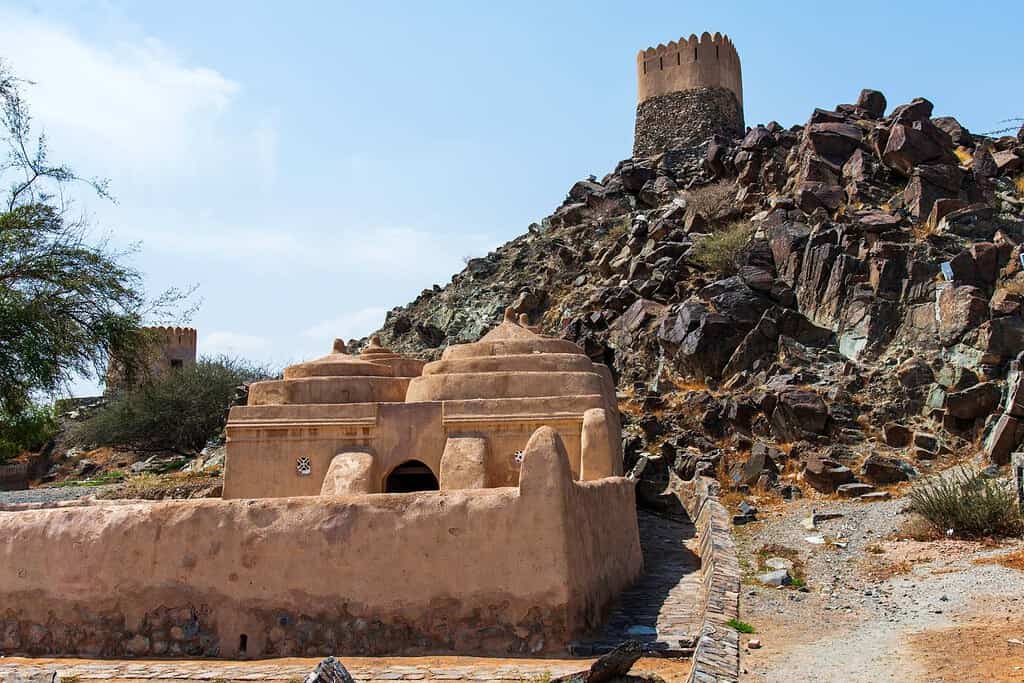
<point>511,361</point>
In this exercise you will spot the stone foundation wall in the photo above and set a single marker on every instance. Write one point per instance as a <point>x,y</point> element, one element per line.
<point>716,658</point>
<point>685,118</point>
<point>492,571</point>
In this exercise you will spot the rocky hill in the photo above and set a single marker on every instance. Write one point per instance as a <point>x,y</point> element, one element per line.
<point>831,305</point>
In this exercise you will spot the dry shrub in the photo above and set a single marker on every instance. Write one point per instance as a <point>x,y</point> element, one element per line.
<point>965,504</point>
<point>718,251</point>
<point>710,201</point>
<point>1019,182</point>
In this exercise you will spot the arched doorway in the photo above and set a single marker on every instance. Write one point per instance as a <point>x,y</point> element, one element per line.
<point>411,475</point>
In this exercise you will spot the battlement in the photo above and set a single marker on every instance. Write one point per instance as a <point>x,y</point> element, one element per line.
<point>176,336</point>
<point>688,64</point>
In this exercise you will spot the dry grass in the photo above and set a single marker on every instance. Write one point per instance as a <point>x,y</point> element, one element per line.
<point>1019,182</point>
<point>711,201</point>
<point>148,486</point>
<point>1014,560</point>
<point>917,528</point>
<point>886,570</point>
<point>718,251</point>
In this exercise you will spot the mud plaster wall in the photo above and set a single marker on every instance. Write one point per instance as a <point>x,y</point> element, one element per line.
<point>485,571</point>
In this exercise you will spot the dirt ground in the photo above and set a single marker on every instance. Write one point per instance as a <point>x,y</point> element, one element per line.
<point>881,609</point>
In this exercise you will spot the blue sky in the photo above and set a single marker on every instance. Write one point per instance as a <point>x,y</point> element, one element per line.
<point>311,165</point>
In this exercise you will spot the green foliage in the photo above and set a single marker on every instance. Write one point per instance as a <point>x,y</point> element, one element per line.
<point>741,626</point>
<point>27,430</point>
<point>180,410</point>
<point>718,251</point>
<point>66,300</point>
<point>966,504</point>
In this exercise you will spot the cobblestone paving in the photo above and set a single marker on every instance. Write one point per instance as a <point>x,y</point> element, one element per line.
<point>37,671</point>
<point>661,610</point>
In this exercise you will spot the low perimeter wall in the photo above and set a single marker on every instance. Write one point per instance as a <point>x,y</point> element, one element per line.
<point>716,658</point>
<point>509,570</point>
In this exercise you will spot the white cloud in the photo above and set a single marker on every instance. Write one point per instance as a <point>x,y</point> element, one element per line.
<point>127,108</point>
<point>392,253</point>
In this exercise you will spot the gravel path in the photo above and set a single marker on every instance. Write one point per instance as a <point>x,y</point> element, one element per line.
<point>50,495</point>
<point>879,609</point>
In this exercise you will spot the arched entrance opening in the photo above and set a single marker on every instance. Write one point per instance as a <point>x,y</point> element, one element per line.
<point>411,475</point>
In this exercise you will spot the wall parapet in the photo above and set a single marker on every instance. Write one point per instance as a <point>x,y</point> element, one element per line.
<point>710,61</point>
<point>716,658</point>
<point>513,570</point>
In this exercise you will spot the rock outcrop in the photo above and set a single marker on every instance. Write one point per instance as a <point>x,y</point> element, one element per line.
<point>826,290</point>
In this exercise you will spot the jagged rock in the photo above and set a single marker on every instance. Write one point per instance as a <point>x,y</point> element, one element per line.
<point>854,490</point>
<point>757,464</point>
<point>1007,162</point>
<point>977,401</point>
<point>926,441</point>
<point>897,435</point>
<point>834,141</point>
<point>330,670</point>
<point>918,109</point>
<point>608,668</point>
<point>915,143</point>
<point>956,132</point>
<point>873,102</point>
<point>797,412</point>
<point>825,474</point>
<point>959,309</point>
<point>915,372</point>
<point>880,469</point>
<point>975,221</point>
<point>1004,439</point>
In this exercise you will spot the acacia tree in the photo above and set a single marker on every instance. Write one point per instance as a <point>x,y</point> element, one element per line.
<point>67,300</point>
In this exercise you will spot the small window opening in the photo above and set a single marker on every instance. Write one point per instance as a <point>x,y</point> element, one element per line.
<point>243,643</point>
<point>410,476</point>
<point>661,62</point>
<point>177,363</point>
<point>695,54</point>
<point>678,59</point>
<point>716,52</point>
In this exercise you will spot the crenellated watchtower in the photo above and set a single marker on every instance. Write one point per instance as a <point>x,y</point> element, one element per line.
<point>687,91</point>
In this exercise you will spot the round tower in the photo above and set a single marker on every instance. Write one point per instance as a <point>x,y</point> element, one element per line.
<point>687,91</point>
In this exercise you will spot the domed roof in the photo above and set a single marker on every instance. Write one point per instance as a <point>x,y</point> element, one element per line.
<point>510,361</point>
<point>338,364</point>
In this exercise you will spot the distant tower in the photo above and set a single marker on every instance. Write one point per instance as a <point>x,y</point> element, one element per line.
<point>173,347</point>
<point>686,91</point>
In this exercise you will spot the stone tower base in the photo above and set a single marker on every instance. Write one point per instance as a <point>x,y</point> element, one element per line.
<point>685,118</point>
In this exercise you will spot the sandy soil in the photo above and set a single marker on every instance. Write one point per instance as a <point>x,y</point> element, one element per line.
<point>881,609</point>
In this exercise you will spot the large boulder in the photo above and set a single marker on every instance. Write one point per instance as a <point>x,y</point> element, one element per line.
<point>974,402</point>
<point>873,102</point>
<point>915,143</point>
<point>798,412</point>
<point>959,309</point>
<point>879,469</point>
<point>835,141</point>
<point>825,474</point>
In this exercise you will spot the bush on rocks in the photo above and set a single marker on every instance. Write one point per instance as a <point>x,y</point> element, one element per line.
<point>178,411</point>
<point>966,504</point>
<point>718,251</point>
